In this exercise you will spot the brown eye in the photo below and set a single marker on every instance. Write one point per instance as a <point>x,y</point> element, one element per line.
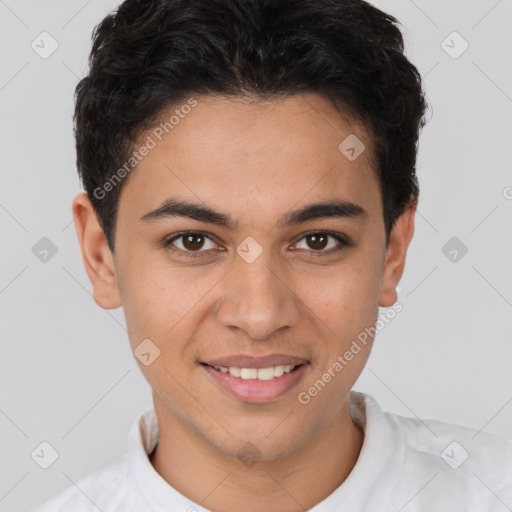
<point>193,242</point>
<point>317,241</point>
<point>189,243</point>
<point>323,242</point>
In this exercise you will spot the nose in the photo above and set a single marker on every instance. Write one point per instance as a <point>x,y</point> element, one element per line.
<point>257,299</point>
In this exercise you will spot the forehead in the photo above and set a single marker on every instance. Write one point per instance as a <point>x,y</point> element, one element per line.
<point>254,156</point>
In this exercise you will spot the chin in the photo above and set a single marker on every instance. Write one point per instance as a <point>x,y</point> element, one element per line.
<point>264,445</point>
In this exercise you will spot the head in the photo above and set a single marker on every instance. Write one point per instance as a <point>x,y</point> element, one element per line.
<point>279,140</point>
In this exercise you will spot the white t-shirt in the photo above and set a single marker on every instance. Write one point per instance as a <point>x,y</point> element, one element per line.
<point>405,465</point>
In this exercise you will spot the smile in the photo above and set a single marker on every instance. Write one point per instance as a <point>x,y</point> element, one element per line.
<point>256,373</point>
<point>256,385</point>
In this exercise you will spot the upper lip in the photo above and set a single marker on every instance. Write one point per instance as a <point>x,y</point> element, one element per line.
<point>246,361</point>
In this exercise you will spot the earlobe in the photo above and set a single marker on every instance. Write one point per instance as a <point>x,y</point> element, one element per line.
<point>399,239</point>
<point>96,255</point>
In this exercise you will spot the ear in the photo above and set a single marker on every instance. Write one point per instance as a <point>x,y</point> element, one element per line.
<point>97,257</point>
<point>399,239</point>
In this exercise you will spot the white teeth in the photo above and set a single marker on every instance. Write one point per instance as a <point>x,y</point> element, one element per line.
<point>249,373</point>
<point>256,373</point>
<point>234,371</point>
<point>278,371</point>
<point>265,373</point>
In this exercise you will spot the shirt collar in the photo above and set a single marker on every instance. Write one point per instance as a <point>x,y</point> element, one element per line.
<point>381,453</point>
<point>155,493</point>
<point>367,487</point>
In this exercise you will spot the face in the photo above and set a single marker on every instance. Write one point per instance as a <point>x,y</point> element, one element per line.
<point>226,260</point>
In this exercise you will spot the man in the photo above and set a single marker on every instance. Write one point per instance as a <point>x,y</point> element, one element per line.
<point>249,168</point>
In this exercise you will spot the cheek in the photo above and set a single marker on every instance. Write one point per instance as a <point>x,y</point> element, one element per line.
<point>346,298</point>
<point>146,294</point>
<point>161,303</point>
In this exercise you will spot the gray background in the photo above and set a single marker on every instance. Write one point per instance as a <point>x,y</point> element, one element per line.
<point>67,375</point>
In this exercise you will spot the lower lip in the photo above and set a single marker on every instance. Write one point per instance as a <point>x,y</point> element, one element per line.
<point>254,390</point>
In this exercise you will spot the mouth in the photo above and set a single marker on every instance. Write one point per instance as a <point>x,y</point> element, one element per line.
<point>251,373</point>
<point>257,382</point>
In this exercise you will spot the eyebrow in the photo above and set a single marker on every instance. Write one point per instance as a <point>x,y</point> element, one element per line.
<point>336,208</point>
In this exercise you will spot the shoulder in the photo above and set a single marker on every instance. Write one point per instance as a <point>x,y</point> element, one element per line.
<point>104,489</point>
<point>457,463</point>
<point>430,465</point>
<point>454,444</point>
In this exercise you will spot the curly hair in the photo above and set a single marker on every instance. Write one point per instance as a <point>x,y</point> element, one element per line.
<point>149,55</point>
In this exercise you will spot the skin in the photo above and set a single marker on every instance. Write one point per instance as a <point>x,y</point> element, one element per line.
<point>255,162</point>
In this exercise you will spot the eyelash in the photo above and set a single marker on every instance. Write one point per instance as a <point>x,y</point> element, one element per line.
<point>343,241</point>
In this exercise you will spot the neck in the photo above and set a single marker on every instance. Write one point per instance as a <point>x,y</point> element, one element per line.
<point>295,482</point>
